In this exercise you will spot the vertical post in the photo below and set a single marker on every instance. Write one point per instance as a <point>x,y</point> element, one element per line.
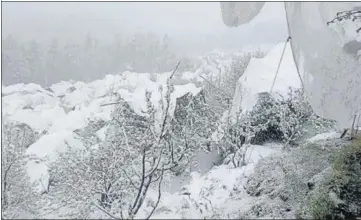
<point>353,128</point>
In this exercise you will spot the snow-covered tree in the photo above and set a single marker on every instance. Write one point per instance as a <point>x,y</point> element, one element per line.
<point>138,153</point>
<point>18,198</point>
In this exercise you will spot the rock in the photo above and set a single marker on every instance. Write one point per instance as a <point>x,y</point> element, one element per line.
<point>88,133</point>
<point>92,127</point>
<point>28,107</point>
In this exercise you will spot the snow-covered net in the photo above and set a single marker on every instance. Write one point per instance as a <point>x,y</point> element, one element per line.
<point>236,13</point>
<point>326,45</point>
<point>328,56</point>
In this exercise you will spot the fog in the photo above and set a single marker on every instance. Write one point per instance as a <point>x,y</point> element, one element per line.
<point>192,27</point>
<point>42,20</point>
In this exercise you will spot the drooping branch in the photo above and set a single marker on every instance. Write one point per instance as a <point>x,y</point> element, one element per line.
<point>345,15</point>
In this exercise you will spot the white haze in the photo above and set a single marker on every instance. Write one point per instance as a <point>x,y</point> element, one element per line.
<point>191,24</point>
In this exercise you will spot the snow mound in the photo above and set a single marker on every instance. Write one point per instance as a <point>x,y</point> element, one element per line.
<point>259,77</point>
<point>67,106</point>
<point>45,151</point>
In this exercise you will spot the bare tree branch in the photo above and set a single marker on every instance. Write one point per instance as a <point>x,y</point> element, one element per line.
<point>130,180</point>
<point>141,185</point>
<point>113,103</point>
<point>171,76</point>
<point>159,195</point>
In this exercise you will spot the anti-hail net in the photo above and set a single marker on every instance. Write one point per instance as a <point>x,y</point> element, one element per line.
<point>326,44</point>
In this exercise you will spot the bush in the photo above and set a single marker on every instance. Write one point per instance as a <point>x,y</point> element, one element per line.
<point>321,207</point>
<point>18,196</point>
<point>138,153</point>
<point>277,119</point>
<point>340,198</point>
<point>271,119</point>
<point>346,180</point>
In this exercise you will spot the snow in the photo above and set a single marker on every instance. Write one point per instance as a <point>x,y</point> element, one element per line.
<point>45,151</point>
<point>215,188</point>
<point>259,77</point>
<point>64,110</point>
<point>40,107</point>
<point>23,88</point>
<point>324,136</point>
<point>61,87</point>
<point>38,119</point>
<point>101,133</point>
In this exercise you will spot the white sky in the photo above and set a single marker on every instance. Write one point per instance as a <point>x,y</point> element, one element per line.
<point>183,19</point>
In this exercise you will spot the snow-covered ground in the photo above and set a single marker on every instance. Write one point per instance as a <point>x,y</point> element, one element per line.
<point>67,106</point>
<point>211,193</point>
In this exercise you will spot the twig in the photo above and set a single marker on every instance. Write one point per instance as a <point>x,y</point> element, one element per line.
<point>105,211</point>
<point>347,15</point>
<point>156,166</point>
<point>159,195</point>
<point>171,76</point>
<point>141,200</point>
<point>130,180</point>
<point>168,104</point>
<point>153,181</point>
<point>141,184</point>
<point>113,103</point>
